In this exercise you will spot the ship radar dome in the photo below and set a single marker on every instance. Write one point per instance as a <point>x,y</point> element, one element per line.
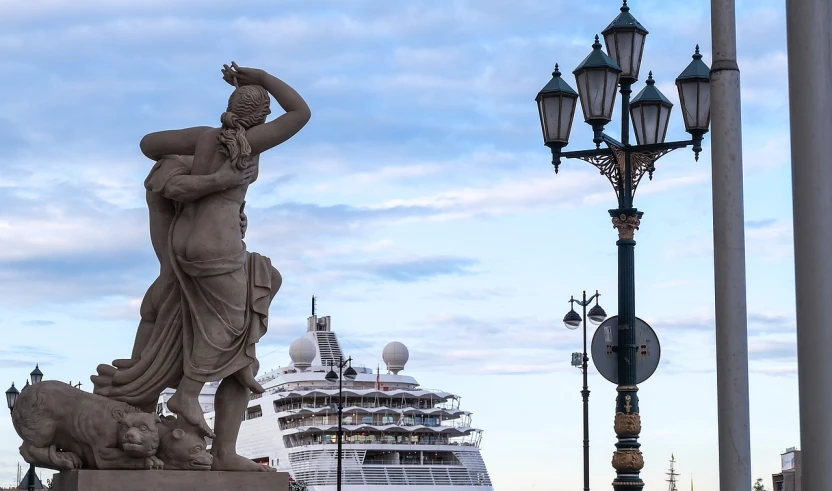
<point>302,352</point>
<point>395,355</point>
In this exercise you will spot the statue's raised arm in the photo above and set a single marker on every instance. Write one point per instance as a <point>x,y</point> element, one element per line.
<point>266,136</point>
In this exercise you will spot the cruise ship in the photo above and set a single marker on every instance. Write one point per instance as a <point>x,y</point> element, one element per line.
<point>396,435</point>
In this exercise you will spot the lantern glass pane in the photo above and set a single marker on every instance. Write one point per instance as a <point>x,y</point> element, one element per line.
<point>651,122</point>
<point>582,79</point>
<point>611,81</point>
<point>596,81</point>
<point>567,115</point>
<point>664,119</point>
<point>638,125</point>
<point>542,114</point>
<point>689,94</point>
<point>551,110</point>
<point>624,41</point>
<point>704,111</point>
<point>612,47</point>
<point>638,50</point>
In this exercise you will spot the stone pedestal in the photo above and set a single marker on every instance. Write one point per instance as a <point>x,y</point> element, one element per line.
<point>90,480</point>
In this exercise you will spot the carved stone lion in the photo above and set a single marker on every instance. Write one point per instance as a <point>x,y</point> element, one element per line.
<point>65,428</point>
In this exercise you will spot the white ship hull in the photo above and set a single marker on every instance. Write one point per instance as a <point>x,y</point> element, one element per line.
<point>396,435</point>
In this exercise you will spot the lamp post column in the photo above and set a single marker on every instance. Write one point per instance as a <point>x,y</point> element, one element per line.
<point>627,459</point>
<point>340,417</point>
<point>585,394</point>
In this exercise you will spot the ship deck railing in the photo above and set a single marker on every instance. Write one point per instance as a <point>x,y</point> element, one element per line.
<point>306,443</point>
<point>302,424</point>
<point>366,405</point>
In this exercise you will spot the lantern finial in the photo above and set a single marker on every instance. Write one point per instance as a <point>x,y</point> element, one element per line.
<point>625,8</point>
<point>596,44</point>
<point>650,80</point>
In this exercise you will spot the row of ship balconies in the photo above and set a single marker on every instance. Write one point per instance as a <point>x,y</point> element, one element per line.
<point>373,406</point>
<point>471,438</point>
<point>462,421</point>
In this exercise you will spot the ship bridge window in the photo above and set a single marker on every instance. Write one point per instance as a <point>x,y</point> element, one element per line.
<point>254,412</point>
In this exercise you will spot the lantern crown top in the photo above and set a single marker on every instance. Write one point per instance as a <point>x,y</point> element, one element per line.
<point>624,20</point>
<point>557,85</point>
<point>597,59</point>
<point>650,94</point>
<point>697,69</point>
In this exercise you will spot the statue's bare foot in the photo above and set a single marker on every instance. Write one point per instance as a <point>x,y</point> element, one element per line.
<point>237,463</point>
<point>190,410</point>
<point>246,378</point>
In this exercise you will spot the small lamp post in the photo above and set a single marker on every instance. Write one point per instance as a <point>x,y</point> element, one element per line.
<point>11,399</point>
<point>572,320</point>
<point>333,377</point>
<point>623,164</point>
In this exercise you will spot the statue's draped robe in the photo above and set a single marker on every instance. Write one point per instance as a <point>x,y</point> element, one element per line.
<point>197,331</point>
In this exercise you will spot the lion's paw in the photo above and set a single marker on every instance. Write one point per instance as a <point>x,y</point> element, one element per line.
<point>154,463</point>
<point>65,460</point>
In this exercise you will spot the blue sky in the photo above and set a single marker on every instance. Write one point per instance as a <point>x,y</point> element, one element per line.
<point>418,204</point>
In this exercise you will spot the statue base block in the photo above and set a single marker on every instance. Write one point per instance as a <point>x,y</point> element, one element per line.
<point>94,480</point>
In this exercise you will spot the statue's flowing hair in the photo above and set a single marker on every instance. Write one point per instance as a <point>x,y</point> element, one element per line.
<point>248,106</point>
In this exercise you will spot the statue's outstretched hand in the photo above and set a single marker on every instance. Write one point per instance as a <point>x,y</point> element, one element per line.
<point>239,76</point>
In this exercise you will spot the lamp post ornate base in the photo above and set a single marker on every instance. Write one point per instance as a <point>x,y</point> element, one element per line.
<point>627,424</point>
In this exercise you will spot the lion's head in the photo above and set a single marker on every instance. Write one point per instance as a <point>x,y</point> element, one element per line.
<point>138,434</point>
<point>185,450</point>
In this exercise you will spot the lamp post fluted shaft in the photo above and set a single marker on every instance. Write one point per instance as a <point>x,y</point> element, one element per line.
<point>340,418</point>
<point>624,165</point>
<point>585,397</point>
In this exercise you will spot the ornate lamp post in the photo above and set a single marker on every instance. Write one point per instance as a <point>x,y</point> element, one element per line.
<point>572,320</point>
<point>624,165</point>
<point>11,398</point>
<point>332,377</point>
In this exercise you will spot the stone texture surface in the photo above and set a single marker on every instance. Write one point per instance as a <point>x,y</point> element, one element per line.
<point>89,480</point>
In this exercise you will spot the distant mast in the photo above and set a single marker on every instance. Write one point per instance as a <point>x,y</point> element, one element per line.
<point>313,305</point>
<point>672,475</point>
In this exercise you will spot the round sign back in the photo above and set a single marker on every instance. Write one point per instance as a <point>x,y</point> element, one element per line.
<point>606,360</point>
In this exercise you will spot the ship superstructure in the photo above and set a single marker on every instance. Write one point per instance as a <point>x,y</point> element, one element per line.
<point>395,433</point>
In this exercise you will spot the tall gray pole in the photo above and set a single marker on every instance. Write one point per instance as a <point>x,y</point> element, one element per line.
<point>729,254</point>
<point>810,106</point>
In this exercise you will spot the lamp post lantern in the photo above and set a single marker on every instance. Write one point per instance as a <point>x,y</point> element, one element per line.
<point>572,320</point>
<point>332,377</point>
<point>11,398</point>
<point>624,165</point>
